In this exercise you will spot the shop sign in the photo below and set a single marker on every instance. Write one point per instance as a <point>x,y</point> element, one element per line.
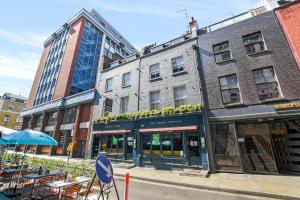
<point>171,121</point>
<point>114,126</point>
<point>156,138</point>
<point>288,107</point>
<point>114,140</point>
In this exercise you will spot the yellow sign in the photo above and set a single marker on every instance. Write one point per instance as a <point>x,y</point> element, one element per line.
<point>287,106</point>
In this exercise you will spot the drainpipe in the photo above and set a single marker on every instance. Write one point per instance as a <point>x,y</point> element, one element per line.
<point>211,163</point>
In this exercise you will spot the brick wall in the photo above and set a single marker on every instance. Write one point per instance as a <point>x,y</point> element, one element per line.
<point>278,55</point>
<point>289,18</point>
<point>36,81</point>
<point>69,59</point>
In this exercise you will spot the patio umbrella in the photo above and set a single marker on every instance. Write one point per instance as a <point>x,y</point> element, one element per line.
<point>30,137</point>
<point>4,132</point>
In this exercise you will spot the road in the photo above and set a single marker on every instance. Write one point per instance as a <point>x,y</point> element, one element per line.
<point>142,190</point>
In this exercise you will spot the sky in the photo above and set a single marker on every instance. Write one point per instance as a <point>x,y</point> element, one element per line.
<point>26,24</point>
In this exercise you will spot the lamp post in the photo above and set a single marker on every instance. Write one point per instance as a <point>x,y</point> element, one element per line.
<point>6,120</point>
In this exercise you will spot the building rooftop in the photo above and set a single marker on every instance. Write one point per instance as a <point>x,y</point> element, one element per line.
<point>8,96</point>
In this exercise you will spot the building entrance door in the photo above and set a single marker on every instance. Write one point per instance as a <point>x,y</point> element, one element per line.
<point>129,147</point>
<point>193,149</point>
<point>256,148</point>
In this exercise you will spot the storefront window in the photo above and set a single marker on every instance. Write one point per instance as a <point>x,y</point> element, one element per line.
<point>166,144</point>
<point>112,143</point>
<point>225,147</point>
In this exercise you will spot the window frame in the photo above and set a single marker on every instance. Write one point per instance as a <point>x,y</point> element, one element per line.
<point>156,102</point>
<point>267,83</point>
<point>261,41</point>
<point>150,74</point>
<point>174,98</point>
<point>123,79</point>
<point>106,85</point>
<point>183,66</point>
<point>122,106</point>
<point>221,52</point>
<point>230,89</point>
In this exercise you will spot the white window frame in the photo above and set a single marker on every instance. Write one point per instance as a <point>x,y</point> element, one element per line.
<point>106,84</point>
<point>155,103</point>
<point>123,79</point>
<point>182,98</point>
<point>124,108</point>
<point>177,66</point>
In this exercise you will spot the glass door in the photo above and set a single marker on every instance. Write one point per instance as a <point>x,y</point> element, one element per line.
<point>256,149</point>
<point>193,149</point>
<point>129,147</point>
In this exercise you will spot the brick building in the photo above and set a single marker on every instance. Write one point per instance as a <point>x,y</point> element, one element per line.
<point>252,85</point>
<point>10,108</point>
<point>288,17</point>
<point>62,95</point>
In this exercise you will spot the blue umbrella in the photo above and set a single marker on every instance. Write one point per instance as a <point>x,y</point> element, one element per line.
<point>4,132</point>
<point>29,137</point>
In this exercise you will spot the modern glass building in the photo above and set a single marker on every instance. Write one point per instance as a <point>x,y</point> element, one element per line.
<point>63,92</point>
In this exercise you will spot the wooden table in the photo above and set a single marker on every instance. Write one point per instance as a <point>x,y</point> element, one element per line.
<point>65,184</point>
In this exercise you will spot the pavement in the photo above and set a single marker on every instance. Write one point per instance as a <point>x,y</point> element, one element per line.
<point>268,186</point>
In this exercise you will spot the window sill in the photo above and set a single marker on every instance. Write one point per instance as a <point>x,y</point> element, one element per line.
<point>108,91</point>
<point>179,73</point>
<point>260,53</point>
<point>226,61</point>
<point>230,105</point>
<point>126,86</point>
<point>276,99</point>
<point>155,79</point>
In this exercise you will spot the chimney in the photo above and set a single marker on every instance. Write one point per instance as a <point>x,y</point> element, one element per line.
<point>193,25</point>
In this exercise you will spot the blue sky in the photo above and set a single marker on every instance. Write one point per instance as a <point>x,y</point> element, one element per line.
<point>24,25</point>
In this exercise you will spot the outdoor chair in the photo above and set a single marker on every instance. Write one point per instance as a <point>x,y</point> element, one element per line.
<point>94,188</point>
<point>72,192</point>
<point>6,178</point>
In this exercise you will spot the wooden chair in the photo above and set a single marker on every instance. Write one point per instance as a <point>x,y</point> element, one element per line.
<point>94,188</point>
<point>72,192</point>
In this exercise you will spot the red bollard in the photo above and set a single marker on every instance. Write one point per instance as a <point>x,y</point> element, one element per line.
<point>126,186</point>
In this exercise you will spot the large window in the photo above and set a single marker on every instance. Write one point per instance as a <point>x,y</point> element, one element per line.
<point>126,79</point>
<point>177,64</point>
<point>266,84</point>
<point>155,100</point>
<point>166,144</point>
<point>254,43</point>
<point>229,89</point>
<point>112,143</point>
<point>124,104</point>
<point>85,72</point>
<point>52,119</point>
<point>109,84</point>
<point>180,96</point>
<point>69,115</point>
<point>225,147</point>
<point>154,71</point>
<point>222,52</point>
<point>38,122</point>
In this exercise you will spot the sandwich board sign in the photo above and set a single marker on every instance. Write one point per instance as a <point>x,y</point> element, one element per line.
<point>104,169</point>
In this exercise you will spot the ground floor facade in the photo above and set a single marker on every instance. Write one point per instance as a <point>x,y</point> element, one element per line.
<point>170,142</point>
<point>66,120</point>
<point>265,141</point>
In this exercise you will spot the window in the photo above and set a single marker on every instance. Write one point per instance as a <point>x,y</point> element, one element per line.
<point>229,89</point>
<point>180,96</point>
<point>52,119</point>
<point>69,115</point>
<point>124,104</point>
<point>108,84</point>
<point>108,104</point>
<point>154,71</point>
<point>266,84</point>
<point>126,79</point>
<point>254,43</point>
<point>177,64</point>
<point>222,52</point>
<point>155,100</point>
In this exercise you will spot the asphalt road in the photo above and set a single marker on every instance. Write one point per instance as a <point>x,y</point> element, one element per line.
<point>142,190</point>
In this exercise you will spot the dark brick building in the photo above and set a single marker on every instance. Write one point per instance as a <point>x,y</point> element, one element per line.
<point>251,80</point>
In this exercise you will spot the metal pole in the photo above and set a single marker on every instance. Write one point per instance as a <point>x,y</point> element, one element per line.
<point>90,186</point>
<point>116,188</point>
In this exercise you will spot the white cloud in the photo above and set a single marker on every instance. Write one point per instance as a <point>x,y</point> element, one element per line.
<point>25,38</point>
<point>21,66</point>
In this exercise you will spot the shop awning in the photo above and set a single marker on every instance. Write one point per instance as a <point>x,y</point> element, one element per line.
<point>122,131</point>
<point>169,129</point>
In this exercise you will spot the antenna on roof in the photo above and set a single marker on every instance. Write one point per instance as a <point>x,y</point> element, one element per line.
<point>186,17</point>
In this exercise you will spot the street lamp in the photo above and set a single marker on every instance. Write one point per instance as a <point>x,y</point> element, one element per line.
<point>6,119</point>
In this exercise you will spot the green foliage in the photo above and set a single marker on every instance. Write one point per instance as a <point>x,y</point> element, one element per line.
<point>166,111</point>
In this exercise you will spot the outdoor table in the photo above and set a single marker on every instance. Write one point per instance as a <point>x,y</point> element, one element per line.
<point>19,169</point>
<point>65,184</point>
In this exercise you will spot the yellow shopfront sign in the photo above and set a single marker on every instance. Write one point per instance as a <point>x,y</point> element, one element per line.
<point>287,106</point>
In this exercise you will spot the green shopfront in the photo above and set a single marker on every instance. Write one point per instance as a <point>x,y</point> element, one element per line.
<point>168,142</point>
